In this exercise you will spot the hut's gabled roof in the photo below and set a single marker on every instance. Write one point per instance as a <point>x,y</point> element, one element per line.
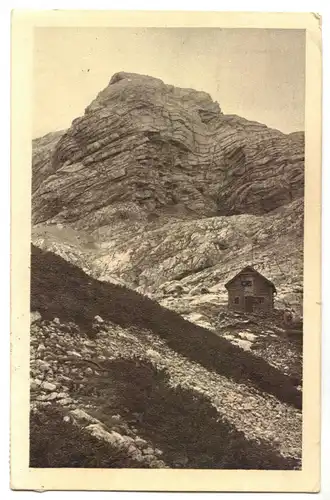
<point>251,269</point>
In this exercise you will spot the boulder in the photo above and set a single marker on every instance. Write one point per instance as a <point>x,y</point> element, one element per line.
<point>47,386</point>
<point>35,317</point>
<point>98,319</point>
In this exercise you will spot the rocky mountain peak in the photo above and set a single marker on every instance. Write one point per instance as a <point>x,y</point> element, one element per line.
<point>163,150</point>
<point>132,87</point>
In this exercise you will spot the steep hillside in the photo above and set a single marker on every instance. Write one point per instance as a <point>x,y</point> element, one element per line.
<point>135,377</point>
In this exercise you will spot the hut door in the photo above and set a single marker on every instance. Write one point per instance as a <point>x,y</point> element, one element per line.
<point>249,303</point>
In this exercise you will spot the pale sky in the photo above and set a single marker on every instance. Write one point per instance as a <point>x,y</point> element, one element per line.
<point>258,74</point>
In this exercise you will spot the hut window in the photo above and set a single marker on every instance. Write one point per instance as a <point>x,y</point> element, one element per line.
<point>246,282</point>
<point>236,300</point>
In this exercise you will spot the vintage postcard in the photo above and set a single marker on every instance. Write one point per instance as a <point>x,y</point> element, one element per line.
<point>166,215</point>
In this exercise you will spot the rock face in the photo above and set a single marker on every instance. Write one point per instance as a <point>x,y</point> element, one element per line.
<point>146,149</point>
<point>162,190</point>
<point>42,167</point>
<point>209,251</point>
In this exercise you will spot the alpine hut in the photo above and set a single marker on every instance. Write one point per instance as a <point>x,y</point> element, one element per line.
<point>250,291</point>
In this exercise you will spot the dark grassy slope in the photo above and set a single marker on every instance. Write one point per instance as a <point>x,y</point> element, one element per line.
<point>176,419</point>
<point>61,289</point>
<point>181,422</point>
<point>54,443</point>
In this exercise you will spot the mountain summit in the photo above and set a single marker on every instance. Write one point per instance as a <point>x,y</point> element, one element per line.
<point>159,150</point>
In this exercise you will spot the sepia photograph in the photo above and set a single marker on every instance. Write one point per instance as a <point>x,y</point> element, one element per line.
<point>167,217</point>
